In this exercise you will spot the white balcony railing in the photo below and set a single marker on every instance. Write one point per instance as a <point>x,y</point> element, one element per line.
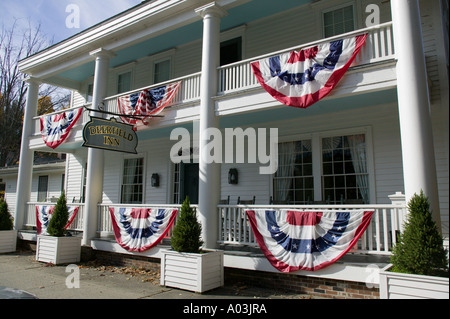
<point>188,92</point>
<point>379,237</point>
<point>239,76</point>
<point>37,120</point>
<point>30,215</point>
<point>379,47</point>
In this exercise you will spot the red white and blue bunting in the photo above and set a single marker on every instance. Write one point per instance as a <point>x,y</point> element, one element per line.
<point>56,128</point>
<point>140,229</point>
<point>302,78</point>
<point>297,240</point>
<point>45,212</point>
<point>147,102</point>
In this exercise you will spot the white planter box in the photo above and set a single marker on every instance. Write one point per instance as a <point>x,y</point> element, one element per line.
<point>406,286</point>
<point>8,241</point>
<point>58,250</point>
<point>194,272</point>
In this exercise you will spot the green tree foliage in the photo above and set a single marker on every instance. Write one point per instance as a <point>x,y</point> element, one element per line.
<point>6,220</point>
<point>420,247</point>
<point>186,235</point>
<point>60,218</point>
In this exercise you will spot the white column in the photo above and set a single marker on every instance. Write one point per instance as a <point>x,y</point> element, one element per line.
<point>419,166</point>
<point>209,173</point>
<point>26,155</point>
<point>94,179</point>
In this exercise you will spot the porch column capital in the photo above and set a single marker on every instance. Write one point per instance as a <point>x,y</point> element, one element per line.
<point>101,52</point>
<point>213,9</point>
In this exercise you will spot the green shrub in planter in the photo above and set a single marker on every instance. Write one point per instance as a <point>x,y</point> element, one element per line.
<point>6,220</point>
<point>60,218</point>
<point>420,247</point>
<point>186,236</point>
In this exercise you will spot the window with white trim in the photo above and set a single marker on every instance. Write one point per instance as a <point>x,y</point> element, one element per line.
<point>344,169</point>
<point>293,182</point>
<point>133,181</point>
<point>326,170</point>
<point>161,71</point>
<point>124,82</point>
<point>338,21</point>
<point>42,188</point>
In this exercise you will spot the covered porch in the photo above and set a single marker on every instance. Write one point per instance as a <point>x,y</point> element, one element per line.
<point>237,239</point>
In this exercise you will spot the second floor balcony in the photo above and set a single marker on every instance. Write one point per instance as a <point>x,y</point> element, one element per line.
<point>372,70</point>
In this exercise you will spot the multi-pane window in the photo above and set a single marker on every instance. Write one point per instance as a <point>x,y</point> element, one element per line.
<point>344,169</point>
<point>341,177</point>
<point>133,181</point>
<point>293,182</point>
<point>42,188</point>
<point>338,21</point>
<point>124,82</point>
<point>176,183</point>
<point>90,93</point>
<point>162,71</point>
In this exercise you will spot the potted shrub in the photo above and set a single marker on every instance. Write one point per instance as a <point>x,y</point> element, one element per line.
<point>58,247</point>
<point>8,236</point>
<point>419,262</point>
<point>188,266</point>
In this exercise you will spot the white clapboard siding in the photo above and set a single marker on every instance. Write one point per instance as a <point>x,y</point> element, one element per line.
<point>8,241</point>
<point>75,174</point>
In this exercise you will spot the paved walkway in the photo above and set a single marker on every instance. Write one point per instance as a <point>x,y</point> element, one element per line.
<point>21,271</point>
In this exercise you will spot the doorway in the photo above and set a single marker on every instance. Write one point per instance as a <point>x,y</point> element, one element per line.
<point>189,182</point>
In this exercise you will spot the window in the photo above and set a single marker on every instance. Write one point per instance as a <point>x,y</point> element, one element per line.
<point>162,71</point>
<point>124,82</point>
<point>90,93</point>
<point>345,176</point>
<point>338,21</point>
<point>231,51</point>
<point>42,188</point>
<point>133,181</point>
<point>293,183</point>
<point>323,170</point>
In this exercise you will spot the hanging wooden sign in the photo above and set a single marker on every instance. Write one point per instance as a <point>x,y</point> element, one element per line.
<point>110,135</point>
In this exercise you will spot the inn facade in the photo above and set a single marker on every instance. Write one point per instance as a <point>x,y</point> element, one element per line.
<point>379,137</point>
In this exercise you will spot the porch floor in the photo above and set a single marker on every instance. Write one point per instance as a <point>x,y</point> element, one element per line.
<point>356,259</point>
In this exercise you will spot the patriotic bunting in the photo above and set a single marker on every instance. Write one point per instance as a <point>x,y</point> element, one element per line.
<point>141,229</point>
<point>296,240</point>
<point>302,78</point>
<point>44,214</point>
<point>56,128</point>
<point>147,102</point>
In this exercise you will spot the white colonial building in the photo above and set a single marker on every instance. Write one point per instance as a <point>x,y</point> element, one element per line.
<point>393,101</point>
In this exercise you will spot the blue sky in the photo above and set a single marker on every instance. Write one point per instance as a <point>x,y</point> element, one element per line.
<point>52,15</point>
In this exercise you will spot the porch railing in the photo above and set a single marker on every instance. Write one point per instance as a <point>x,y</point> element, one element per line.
<point>105,228</point>
<point>189,91</point>
<point>37,120</point>
<point>30,215</point>
<point>379,237</point>
<point>379,47</point>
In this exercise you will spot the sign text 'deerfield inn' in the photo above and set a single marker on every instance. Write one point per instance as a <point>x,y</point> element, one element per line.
<point>110,135</point>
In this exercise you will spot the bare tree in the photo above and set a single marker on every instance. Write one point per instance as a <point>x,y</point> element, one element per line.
<point>17,44</point>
